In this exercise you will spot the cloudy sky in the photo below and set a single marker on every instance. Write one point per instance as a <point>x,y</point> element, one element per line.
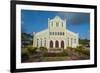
<point>35,21</point>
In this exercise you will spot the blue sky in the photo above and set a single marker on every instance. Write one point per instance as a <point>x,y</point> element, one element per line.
<point>35,21</point>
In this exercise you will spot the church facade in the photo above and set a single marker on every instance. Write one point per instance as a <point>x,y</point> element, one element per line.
<point>56,36</point>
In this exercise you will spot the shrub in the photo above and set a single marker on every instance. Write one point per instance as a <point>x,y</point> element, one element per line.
<point>24,57</point>
<point>70,48</point>
<point>43,49</point>
<point>80,47</point>
<point>86,52</point>
<point>82,51</point>
<point>64,53</point>
<point>32,50</point>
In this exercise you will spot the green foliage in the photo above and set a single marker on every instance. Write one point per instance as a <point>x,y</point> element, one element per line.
<point>82,50</point>
<point>28,53</point>
<point>24,56</point>
<point>32,50</point>
<point>64,53</point>
<point>26,39</point>
<point>80,47</point>
<point>70,48</point>
<point>86,52</point>
<point>43,49</point>
<point>84,42</point>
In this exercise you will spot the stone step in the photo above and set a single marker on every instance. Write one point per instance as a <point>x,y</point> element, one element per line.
<point>55,49</point>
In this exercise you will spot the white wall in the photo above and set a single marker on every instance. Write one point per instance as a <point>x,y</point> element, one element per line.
<point>5,41</point>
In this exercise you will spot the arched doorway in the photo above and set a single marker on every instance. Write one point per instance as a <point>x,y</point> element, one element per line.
<point>51,44</point>
<point>62,44</point>
<point>56,44</point>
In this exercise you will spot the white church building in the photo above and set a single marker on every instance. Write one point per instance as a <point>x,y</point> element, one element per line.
<point>56,36</point>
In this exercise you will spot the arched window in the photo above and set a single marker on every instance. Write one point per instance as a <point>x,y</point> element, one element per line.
<point>62,44</point>
<point>52,33</point>
<point>63,33</point>
<point>60,33</point>
<point>62,24</point>
<point>57,24</point>
<point>55,33</point>
<point>51,44</point>
<point>74,40</point>
<point>56,44</point>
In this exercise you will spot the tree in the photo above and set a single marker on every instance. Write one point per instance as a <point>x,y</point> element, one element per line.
<point>84,42</point>
<point>26,39</point>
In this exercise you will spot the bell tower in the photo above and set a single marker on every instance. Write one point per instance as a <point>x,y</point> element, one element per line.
<point>56,24</point>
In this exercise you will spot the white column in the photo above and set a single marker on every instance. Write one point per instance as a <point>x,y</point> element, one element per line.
<point>48,43</point>
<point>69,42</point>
<point>59,43</point>
<point>54,44</point>
<point>65,44</point>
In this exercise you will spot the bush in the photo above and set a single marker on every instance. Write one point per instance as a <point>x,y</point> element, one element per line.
<point>43,49</point>
<point>86,52</point>
<point>70,48</point>
<point>32,50</point>
<point>83,51</point>
<point>64,53</point>
<point>24,57</point>
<point>80,47</point>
